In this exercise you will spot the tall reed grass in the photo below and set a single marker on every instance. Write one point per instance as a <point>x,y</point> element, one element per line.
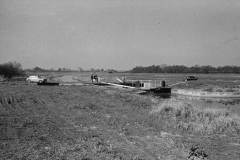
<point>185,117</point>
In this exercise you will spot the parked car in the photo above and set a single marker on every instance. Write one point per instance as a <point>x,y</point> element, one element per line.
<point>35,79</point>
<point>191,78</point>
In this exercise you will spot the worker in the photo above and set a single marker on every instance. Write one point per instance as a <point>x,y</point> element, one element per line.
<point>95,77</point>
<point>92,77</point>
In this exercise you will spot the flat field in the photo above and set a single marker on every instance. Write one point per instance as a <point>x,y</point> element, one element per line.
<point>90,122</point>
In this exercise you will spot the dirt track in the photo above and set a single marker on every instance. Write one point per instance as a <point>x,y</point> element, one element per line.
<point>83,122</point>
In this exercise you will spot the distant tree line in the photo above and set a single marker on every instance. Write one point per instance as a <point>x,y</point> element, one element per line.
<point>39,69</point>
<point>64,69</point>
<point>11,69</point>
<point>185,69</point>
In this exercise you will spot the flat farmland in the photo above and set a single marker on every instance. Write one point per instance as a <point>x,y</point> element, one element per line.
<point>92,122</point>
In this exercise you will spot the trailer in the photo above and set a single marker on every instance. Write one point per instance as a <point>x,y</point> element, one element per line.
<point>46,83</point>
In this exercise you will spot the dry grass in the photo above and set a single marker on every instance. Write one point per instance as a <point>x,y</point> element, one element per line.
<point>89,122</point>
<point>83,122</point>
<point>195,119</point>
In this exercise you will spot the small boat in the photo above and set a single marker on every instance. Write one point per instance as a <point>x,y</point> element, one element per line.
<point>163,91</point>
<point>145,87</point>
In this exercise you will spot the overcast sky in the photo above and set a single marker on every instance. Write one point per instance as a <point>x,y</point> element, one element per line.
<point>119,34</point>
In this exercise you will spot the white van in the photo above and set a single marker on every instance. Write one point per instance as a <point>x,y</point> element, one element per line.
<point>35,79</point>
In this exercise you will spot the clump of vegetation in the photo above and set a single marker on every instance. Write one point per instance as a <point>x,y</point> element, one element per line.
<point>219,90</point>
<point>195,119</point>
<point>208,89</point>
<point>230,90</point>
<point>197,152</point>
<point>11,69</point>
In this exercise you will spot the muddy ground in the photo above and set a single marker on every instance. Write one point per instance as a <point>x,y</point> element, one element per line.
<point>91,123</point>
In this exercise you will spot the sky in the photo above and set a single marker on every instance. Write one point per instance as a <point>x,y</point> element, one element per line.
<point>119,34</point>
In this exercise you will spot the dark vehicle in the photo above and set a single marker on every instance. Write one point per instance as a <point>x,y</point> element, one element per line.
<point>46,83</point>
<point>191,78</point>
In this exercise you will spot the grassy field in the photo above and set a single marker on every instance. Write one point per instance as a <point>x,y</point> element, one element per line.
<point>90,122</point>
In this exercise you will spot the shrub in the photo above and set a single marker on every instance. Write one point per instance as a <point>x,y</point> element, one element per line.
<point>11,69</point>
